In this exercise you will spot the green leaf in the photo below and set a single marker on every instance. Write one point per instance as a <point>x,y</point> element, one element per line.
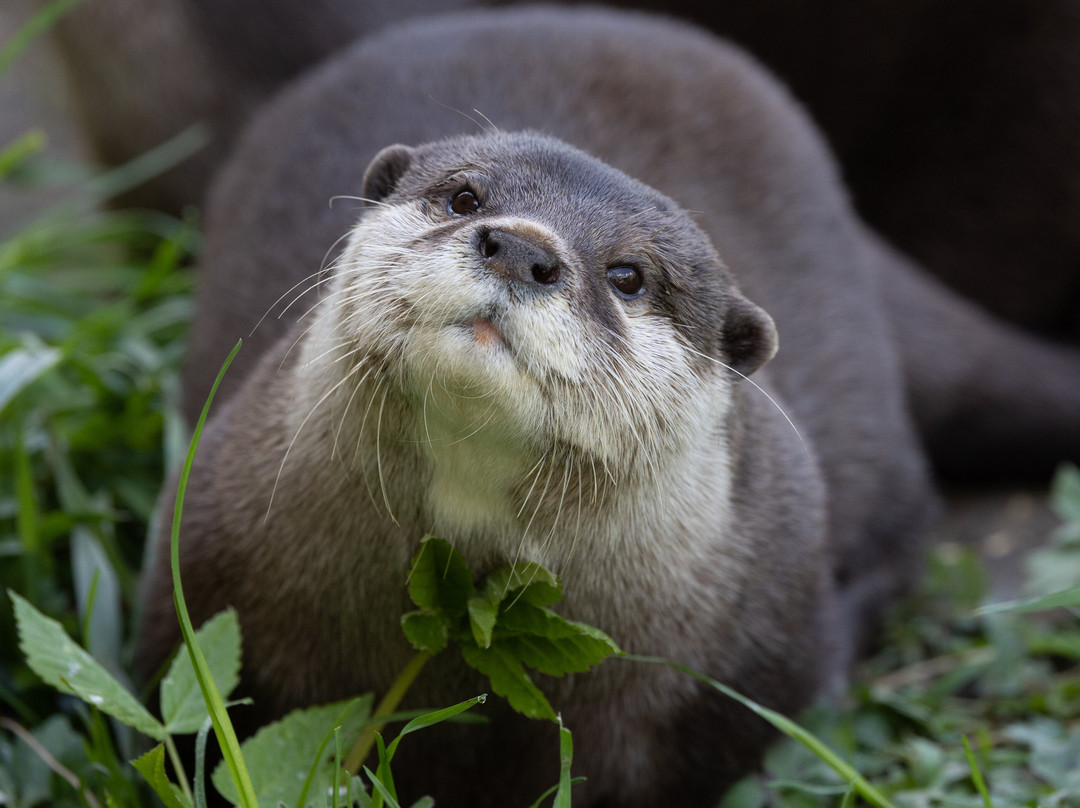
<point>529,582</point>
<point>283,756</point>
<point>98,590</point>
<point>383,791</point>
<point>1061,643</point>
<point>1068,598</point>
<point>483,612</point>
<point>509,680</point>
<point>201,738</point>
<point>574,654</point>
<point>383,781</point>
<point>152,767</point>
<point>440,579</point>
<point>525,584</point>
<point>432,718</point>
<point>976,775</point>
<point>427,630</point>
<point>525,618</point>
<point>183,707</point>
<point>62,663</point>
<point>566,757</point>
<point>12,156</point>
<point>1065,493</point>
<point>43,19</point>
<point>19,367</point>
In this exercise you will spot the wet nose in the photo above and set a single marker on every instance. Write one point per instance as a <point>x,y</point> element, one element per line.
<point>518,258</point>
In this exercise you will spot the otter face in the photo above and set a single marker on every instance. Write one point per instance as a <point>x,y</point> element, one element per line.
<point>515,287</point>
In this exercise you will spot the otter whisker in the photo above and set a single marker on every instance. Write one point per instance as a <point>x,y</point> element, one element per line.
<point>364,199</point>
<point>336,386</point>
<point>378,460</point>
<point>537,468</point>
<point>349,402</point>
<point>760,389</point>
<point>285,294</point>
<point>539,503</point>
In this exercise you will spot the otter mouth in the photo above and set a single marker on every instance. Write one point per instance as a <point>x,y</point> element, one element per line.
<point>486,334</point>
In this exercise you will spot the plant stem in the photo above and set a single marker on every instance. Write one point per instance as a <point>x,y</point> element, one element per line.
<point>178,767</point>
<point>362,748</point>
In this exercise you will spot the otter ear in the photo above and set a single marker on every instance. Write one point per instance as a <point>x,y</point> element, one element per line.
<point>749,336</point>
<point>385,170</point>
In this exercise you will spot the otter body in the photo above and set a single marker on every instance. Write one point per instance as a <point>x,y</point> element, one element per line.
<point>524,350</point>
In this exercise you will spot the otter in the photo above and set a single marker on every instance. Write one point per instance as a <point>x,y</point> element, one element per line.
<point>537,355</point>
<point>511,355</point>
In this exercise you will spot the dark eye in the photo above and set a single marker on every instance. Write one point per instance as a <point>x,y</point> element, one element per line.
<point>626,280</point>
<point>464,203</point>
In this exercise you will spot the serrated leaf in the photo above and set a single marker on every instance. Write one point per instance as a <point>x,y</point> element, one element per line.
<point>426,630</point>
<point>62,663</point>
<point>509,679</point>
<point>440,579</point>
<point>152,767</point>
<point>183,707</point>
<point>280,756</point>
<point>528,582</point>
<point>525,618</point>
<point>554,657</point>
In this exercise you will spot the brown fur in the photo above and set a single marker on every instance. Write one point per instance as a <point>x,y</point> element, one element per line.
<point>314,597</point>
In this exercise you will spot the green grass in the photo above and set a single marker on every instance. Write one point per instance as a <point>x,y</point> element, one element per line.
<point>960,707</point>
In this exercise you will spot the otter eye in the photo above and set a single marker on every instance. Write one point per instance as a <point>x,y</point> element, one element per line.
<point>464,202</point>
<point>626,280</point>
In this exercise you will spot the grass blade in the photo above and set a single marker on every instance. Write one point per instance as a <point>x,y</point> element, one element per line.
<point>383,791</point>
<point>200,763</point>
<point>566,757</point>
<point>1058,600</point>
<point>867,791</point>
<point>976,775</point>
<point>223,727</point>
<point>34,27</point>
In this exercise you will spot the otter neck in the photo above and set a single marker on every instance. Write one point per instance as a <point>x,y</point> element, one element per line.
<point>500,494</point>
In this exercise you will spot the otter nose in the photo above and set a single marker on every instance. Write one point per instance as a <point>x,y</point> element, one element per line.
<point>518,258</point>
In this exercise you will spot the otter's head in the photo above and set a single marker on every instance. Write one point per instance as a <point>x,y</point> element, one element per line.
<point>512,285</point>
